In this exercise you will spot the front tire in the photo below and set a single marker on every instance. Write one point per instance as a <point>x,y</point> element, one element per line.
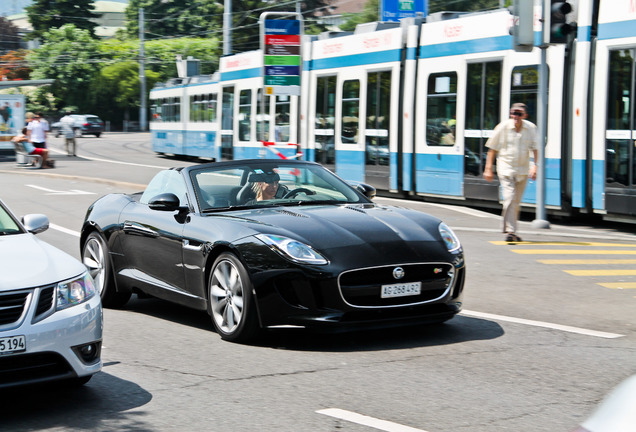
<point>231,303</point>
<point>95,258</point>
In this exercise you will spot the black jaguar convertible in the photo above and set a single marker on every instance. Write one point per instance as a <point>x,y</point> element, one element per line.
<point>267,243</point>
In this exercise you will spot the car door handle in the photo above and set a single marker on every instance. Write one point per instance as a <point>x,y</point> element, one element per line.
<point>138,229</point>
<point>188,246</point>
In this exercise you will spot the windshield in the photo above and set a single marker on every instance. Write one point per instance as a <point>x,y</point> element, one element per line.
<point>267,183</point>
<point>7,224</point>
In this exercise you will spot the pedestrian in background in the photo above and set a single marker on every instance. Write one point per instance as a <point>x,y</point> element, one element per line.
<point>37,130</point>
<point>511,144</point>
<point>67,124</point>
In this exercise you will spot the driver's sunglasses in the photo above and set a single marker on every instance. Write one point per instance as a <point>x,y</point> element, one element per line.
<point>516,113</point>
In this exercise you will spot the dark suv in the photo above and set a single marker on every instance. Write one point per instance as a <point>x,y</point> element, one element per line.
<point>85,124</point>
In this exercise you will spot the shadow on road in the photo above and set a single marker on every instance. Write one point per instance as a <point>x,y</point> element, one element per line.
<point>102,404</point>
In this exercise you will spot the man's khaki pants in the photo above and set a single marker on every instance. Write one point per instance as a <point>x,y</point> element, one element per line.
<point>512,188</point>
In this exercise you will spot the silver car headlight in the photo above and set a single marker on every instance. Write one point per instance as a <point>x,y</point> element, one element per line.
<point>292,249</point>
<point>75,291</point>
<point>449,237</point>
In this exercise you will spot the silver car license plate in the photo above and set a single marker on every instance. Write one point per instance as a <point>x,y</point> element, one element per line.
<point>12,344</point>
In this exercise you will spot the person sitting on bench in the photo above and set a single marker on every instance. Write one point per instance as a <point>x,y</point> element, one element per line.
<point>31,149</point>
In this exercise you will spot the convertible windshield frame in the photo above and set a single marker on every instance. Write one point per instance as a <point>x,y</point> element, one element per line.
<point>237,185</point>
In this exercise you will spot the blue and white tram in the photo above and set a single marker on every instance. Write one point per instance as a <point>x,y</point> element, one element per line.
<point>612,159</point>
<point>223,116</point>
<point>408,108</point>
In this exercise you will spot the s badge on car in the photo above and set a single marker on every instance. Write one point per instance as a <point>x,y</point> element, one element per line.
<point>398,273</point>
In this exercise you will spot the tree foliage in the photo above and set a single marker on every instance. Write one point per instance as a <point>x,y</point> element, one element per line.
<point>204,18</point>
<point>119,84</point>
<point>69,56</point>
<point>462,5</point>
<point>44,15</point>
<point>370,13</point>
<point>9,37</point>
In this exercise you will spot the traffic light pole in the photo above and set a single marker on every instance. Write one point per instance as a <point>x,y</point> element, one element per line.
<point>542,116</point>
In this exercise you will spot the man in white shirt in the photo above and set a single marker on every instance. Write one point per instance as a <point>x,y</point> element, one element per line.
<point>511,143</point>
<point>36,131</point>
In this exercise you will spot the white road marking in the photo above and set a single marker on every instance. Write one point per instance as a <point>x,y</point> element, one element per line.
<point>542,324</point>
<point>64,230</point>
<point>55,192</point>
<point>367,421</point>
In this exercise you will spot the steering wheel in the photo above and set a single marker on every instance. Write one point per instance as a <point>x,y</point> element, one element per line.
<point>292,193</point>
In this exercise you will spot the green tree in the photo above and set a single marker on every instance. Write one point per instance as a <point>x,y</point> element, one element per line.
<point>119,84</point>
<point>462,5</point>
<point>45,15</point>
<point>175,18</point>
<point>69,56</point>
<point>204,18</point>
<point>370,13</point>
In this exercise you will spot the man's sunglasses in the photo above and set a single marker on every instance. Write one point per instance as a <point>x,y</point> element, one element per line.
<point>516,113</point>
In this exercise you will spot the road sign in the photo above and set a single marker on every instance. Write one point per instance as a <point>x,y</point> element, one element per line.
<point>282,55</point>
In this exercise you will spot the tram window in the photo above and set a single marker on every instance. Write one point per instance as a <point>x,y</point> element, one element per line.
<point>525,88</point>
<point>350,111</point>
<point>245,115</point>
<point>325,119</point>
<point>620,152</point>
<point>619,90</point>
<point>210,115</point>
<point>441,105</point>
<point>155,109</point>
<point>227,115</point>
<point>262,125</point>
<point>194,108</point>
<point>483,96</point>
<point>281,125</point>
<point>378,118</point>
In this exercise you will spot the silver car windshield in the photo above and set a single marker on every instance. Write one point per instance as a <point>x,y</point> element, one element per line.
<point>7,224</point>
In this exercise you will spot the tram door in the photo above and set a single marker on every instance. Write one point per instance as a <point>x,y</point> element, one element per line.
<point>377,156</point>
<point>324,132</point>
<point>620,136</point>
<point>227,123</point>
<point>483,105</point>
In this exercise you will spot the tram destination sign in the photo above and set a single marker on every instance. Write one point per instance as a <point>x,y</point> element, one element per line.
<point>282,56</point>
<point>394,10</point>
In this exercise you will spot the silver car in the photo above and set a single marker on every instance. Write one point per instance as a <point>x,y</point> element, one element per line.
<point>50,312</point>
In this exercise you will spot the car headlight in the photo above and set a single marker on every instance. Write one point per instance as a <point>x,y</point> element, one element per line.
<point>449,237</point>
<point>292,249</point>
<point>75,291</point>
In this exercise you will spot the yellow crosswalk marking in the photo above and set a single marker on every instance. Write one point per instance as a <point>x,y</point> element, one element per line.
<point>539,243</point>
<point>619,285</point>
<point>572,252</point>
<point>587,262</point>
<point>616,272</point>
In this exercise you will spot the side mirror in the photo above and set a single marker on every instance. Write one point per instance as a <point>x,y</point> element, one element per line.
<point>366,190</point>
<point>35,223</point>
<point>165,202</point>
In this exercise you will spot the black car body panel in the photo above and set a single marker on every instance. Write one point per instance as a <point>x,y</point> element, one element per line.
<point>169,254</point>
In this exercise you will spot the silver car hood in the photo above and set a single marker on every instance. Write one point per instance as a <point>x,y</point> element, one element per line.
<point>27,262</point>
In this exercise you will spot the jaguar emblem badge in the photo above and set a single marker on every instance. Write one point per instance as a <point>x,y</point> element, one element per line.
<point>398,273</point>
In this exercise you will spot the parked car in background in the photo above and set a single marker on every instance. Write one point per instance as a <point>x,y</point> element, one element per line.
<point>85,124</point>
<point>50,311</point>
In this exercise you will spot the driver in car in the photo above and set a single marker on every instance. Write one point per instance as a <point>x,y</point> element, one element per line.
<point>266,189</point>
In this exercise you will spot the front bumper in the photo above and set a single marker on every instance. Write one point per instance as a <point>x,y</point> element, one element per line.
<point>54,344</point>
